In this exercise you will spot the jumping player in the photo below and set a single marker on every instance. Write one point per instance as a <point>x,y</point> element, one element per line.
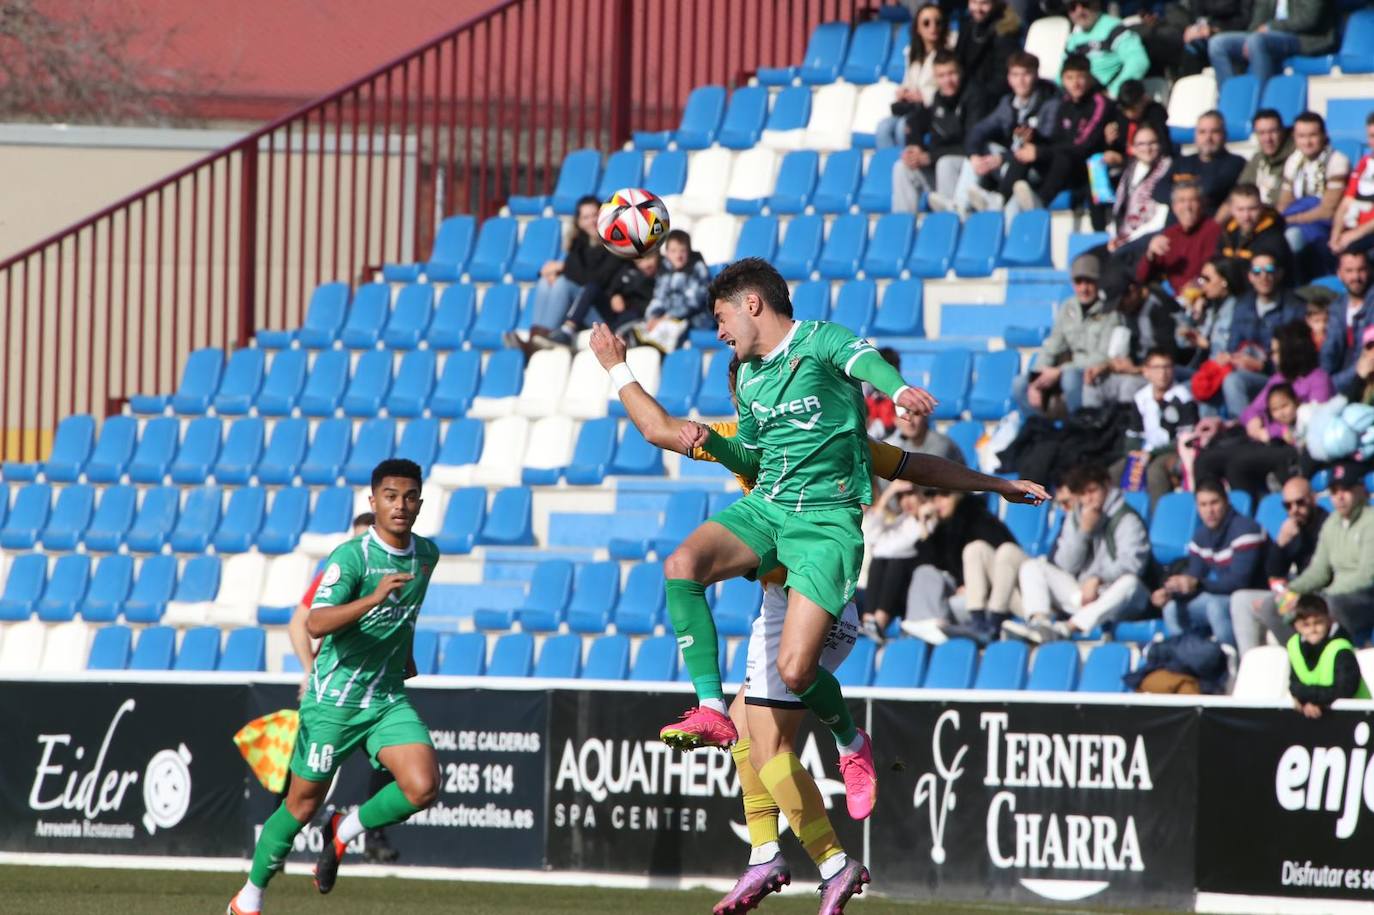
<point>365,610</point>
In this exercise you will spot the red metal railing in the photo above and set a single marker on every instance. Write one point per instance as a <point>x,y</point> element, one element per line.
<point>235,241</point>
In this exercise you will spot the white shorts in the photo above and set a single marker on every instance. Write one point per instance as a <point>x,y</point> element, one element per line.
<point>762,683</point>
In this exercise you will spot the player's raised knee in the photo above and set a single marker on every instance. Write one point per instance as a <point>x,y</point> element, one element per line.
<point>797,672</point>
<point>421,790</point>
<point>683,562</point>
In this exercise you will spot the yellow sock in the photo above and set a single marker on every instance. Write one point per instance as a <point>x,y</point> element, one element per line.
<point>760,811</point>
<point>796,794</point>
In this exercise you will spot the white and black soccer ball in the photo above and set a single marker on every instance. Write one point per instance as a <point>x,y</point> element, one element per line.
<point>632,223</point>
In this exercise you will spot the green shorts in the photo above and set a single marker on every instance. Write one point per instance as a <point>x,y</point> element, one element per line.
<point>329,735</point>
<point>822,550</point>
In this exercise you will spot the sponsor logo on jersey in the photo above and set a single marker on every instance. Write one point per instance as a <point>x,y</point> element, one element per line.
<point>793,363</point>
<point>799,406</point>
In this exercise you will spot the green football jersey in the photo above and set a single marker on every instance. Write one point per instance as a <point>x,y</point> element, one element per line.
<point>804,412</point>
<point>365,663</point>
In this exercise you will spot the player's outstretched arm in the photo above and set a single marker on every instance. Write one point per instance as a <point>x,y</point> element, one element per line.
<point>938,473</point>
<point>325,619</point>
<point>652,421</point>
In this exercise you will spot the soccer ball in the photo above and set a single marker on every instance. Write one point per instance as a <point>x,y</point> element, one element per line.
<point>632,223</point>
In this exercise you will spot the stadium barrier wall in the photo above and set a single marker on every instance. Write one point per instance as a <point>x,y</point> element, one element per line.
<point>989,797</point>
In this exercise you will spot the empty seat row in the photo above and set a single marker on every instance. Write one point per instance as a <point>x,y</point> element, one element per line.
<point>156,648</point>
<point>1005,665</point>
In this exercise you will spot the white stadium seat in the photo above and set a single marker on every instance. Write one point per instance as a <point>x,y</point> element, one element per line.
<point>1193,96</point>
<point>1366,658</point>
<point>875,103</point>
<point>715,238</point>
<point>832,111</point>
<point>588,388</point>
<point>550,443</point>
<point>1046,39</point>
<point>546,378</point>
<point>240,590</point>
<point>502,450</point>
<point>647,363</point>
<point>189,613</point>
<point>708,175</point>
<point>21,647</point>
<point>431,518</point>
<point>66,648</point>
<point>1263,674</point>
<point>755,173</point>
<point>287,578</point>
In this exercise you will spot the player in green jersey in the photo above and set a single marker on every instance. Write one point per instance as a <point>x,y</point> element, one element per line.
<point>802,436</point>
<point>365,610</point>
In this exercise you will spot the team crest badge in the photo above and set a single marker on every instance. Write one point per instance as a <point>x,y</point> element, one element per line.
<point>844,486</point>
<point>427,569</point>
<point>792,365</point>
<point>331,575</point>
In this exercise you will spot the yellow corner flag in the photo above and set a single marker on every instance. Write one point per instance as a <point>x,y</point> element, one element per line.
<point>266,744</point>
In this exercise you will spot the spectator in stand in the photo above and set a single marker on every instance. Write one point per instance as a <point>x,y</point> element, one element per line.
<point>1342,568</point>
<point>1176,37</point>
<point>1278,29</point>
<point>1204,326</point>
<point>988,36</point>
<point>1348,318</point>
<point>892,527</point>
<point>936,131</point>
<point>587,262</point>
<point>679,302</point>
<point>929,36</point>
<point>1176,255</point>
<point>620,305</point>
<point>1097,569</point>
<point>1253,609</point>
<point>1146,322</point>
<point>1252,228</point>
<point>1314,180</point>
<point>1135,108</point>
<point>1141,208</point>
<point>1163,409</point>
<point>966,567</point>
<point>1115,53</point>
<point>1259,313</point>
<point>1025,115</point>
<point>1040,170</point>
<point>1322,665</point>
<point>1265,168</point>
<point>914,433</point>
<point>1317,318</point>
<point>1080,336</point>
<point>1224,556</point>
<point>1213,166</point>
<point>882,412</point>
<point>1352,228</point>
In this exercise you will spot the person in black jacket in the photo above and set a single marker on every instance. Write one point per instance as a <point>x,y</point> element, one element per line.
<point>1176,37</point>
<point>989,36</point>
<point>1314,684</point>
<point>935,137</point>
<point>620,304</point>
<point>966,566</point>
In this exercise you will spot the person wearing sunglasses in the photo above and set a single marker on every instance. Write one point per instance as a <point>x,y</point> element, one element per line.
<point>929,36</point>
<point>1253,610</point>
<point>1259,313</point>
<point>1114,51</point>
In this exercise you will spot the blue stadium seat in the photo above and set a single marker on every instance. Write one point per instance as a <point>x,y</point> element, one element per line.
<point>739,663</point>
<point>636,457</point>
<point>1055,668</point>
<point>1238,101</point>
<point>28,517</point>
<point>801,246</point>
<point>245,650</point>
<point>448,258</point>
<point>199,582</point>
<point>891,243</point>
<point>112,519</point>
<point>560,657</point>
<point>457,384</point>
<point>758,238</point>
<point>875,193</point>
<point>199,519</point>
<point>667,173</point>
<point>242,450</point>
<point>744,118</point>
<point>825,54</point>
<point>110,648</point>
<point>463,443</point>
<point>679,379</point>
<point>499,313</point>
<point>541,243</point>
<point>949,382</point>
<point>683,512</point>
<point>28,575</point>
<point>936,241</point>
<point>895,67</point>
<point>110,458</point>
<point>547,598</point>
<point>375,443</point>
<point>624,168</point>
<point>70,517</point>
<point>369,386</point>
<point>844,249</point>
<point>157,447</point>
<point>737,606</point>
<point>855,305</point>
<point>425,651</point>
<point>965,434</point>
<point>1026,523</point>
<point>593,452</point>
<point>200,380</point>
<point>1080,242</point>
<point>414,382</point>
<point>71,447</point>
<point>324,318</point>
<point>990,397</point>
<point>576,179</point>
<point>952,665</point>
<point>199,649</point>
<point>71,575</point>
<point>1104,669</point>
<point>156,518</point>
<point>857,669</point>
<point>110,585</point>
<point>1357,45</point>
<point>1028,240</point>
<point>510,521</point>
<point>286,450</point>
<point>701,118</point>
<point>157,578</point>
<point>1271,514</point>
<point>902,313</point>
<point>465,655</point>
<point>1003,666</point>
<point>980,243</point>
<point>1138,630</point>
<point>640,608</point>
<point>238,389</point>
<point>282,387</point>
<point>608,658</point>
<point>368,316</point>
<point>1171,527</point>
<point>839,182</point>
<point>1140,501</point>
<point>656,661</point>
<point>1241,501</point>
<point>325,385</point>
<point>155,649</point>
<point>198,452</point>
<point>797,176</point>
<point>811,301</point>
<point>589,610</point>
<point>333,511</point>
<point>420,443</point>
<point>512,655</point>
<point>904,663</point>
<point>868,52</point>
<point>453,317</point>
<point>410,318</point>
<point>463,518</point>
<point>286,521</point>
<point>242,520</point>
<point>714,397</point>
<point>496,247</point>
<point>1286,94</point>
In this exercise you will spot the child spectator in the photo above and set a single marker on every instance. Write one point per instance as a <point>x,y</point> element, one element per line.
<point>679,301</point>
<point>587,262</point>
<point>1322,666</point>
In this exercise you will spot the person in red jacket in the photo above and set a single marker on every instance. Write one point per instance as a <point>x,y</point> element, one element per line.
<point>1177,253</point>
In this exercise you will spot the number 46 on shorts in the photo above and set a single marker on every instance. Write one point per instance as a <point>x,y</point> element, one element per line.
<point>321,758</point>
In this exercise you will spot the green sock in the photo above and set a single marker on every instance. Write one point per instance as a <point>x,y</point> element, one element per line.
<point>823,697</point>
<point>696,635</point>
<point>273,844</point>
<point>386,808</point>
